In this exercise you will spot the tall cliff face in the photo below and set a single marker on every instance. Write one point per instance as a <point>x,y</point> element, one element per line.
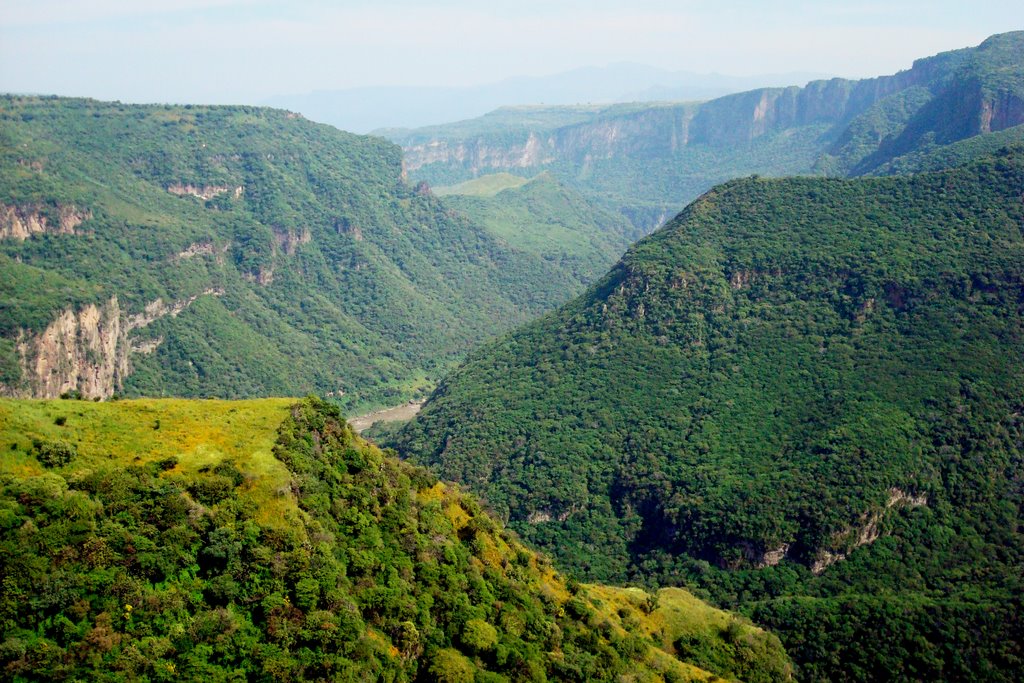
<point>88,350</point>
<point>835,127</point>
<point>661,130</point>
<point>84,350</point>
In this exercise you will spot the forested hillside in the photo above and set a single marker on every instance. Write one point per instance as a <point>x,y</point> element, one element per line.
<point>543,216</point>
<point>649,159</point>
<point>168,540</point>
<point>234,251</point>
<point>802,396</point>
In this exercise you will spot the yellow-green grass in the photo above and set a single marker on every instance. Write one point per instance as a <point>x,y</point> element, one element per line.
<point>484,186</point>
<point>197,433</point>
<point>678,613</point>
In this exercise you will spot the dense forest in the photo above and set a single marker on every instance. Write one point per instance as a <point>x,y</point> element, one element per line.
<point>250,253</point>
<point>163,540</point>
<point>801,396</point>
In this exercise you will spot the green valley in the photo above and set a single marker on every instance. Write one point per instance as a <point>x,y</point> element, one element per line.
<point>801,396</point>
<point>236,251</point>
<point>654,392</point>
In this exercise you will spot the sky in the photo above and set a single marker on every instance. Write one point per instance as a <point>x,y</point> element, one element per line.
<point>244,51</point>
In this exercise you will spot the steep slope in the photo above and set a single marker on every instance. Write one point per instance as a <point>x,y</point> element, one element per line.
<point>548,219</point>
<point>234,251</point>
<point>800,387</point>
<point>646,159</point>
<point>260,540</point>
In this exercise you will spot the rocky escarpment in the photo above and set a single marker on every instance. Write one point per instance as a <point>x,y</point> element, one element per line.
<point>866,532</point>
<point>203,248</point>
<point>838,126</point>
<point>88,350</point>
<point>204,192</point>
<point>22,221</point>
<point>288,240</point>
<point>665,130</point>
<point>479,155</point>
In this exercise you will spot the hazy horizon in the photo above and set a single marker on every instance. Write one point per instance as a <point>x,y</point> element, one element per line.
<point>247,51</point>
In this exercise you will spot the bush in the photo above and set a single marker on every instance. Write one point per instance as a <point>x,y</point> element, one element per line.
<point>54,453</point>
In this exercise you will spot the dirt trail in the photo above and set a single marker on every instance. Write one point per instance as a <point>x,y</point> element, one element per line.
<point>406,411</point>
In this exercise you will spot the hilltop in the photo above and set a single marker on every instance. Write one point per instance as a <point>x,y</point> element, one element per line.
<point>263,540</point>
<point>802,396</point>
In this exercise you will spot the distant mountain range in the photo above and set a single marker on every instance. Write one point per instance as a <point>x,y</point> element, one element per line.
<point>366,109</point>
<point>649,160</point>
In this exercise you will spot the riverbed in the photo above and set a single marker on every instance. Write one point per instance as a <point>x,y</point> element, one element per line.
<point>406,411</point>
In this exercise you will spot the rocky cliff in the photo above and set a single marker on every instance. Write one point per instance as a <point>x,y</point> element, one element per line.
<point>340,276</point>
<point>664,130</point>
<point>24,220</point>
<point>88,350</point>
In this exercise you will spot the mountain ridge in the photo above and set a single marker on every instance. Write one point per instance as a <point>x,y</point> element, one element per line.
<point>366,109</point>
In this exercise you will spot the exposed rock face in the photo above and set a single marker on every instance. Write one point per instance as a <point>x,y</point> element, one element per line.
<point>82,351</point>
<point>286,241</point>
<point>1000,111</point>
<point>197,249</point>
<point>664,131</point>
<point>88,350</point>
<point>21,222</point>
<point>479,155</point>
<point>950,107</point>
<point>759,558</point>
<point>204,248</point>
<point>155,310</point>
<point>289,240</point>
<point>543,516</point>
<point>346,227</point>
<point>866,532</point>
<point>204,192</point>
<point>264,275</point>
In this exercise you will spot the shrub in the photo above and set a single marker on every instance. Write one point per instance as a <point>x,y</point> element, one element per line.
<point>54,453</point>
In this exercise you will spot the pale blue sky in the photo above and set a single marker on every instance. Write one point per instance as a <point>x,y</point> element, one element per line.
<point>236,51</point>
